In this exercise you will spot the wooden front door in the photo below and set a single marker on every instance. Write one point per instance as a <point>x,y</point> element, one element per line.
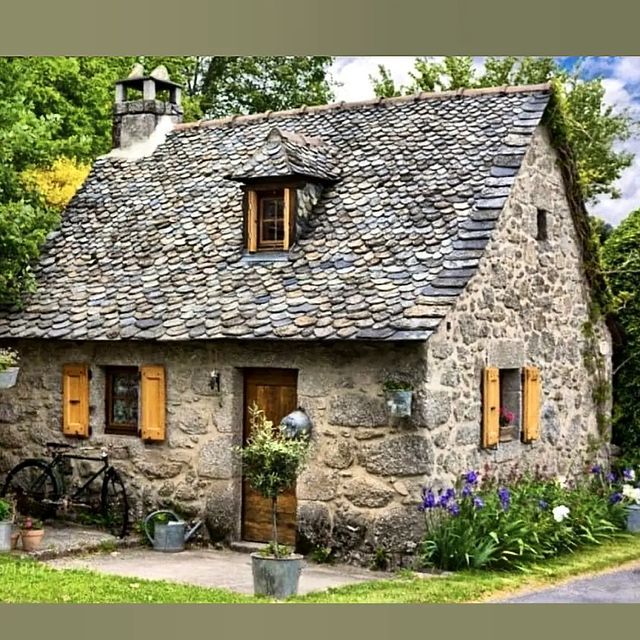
<point>274,391</point>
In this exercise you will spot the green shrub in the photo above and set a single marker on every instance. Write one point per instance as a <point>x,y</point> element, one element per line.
<point>511,525</point>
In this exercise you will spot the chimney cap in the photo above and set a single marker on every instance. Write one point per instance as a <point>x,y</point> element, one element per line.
<point>138,83</point>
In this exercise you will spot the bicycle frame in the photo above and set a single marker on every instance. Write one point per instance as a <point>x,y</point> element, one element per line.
<point>57,460</point>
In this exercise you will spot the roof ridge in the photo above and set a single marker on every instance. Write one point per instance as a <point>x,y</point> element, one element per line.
<point>373,102</point>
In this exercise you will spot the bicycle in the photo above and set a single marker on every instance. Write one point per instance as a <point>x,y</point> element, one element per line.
<point>38,488</point>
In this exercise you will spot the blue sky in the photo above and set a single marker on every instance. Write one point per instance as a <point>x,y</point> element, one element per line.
<point>621,80</point>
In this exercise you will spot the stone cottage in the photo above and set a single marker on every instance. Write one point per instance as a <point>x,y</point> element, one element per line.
<point>304,259</point>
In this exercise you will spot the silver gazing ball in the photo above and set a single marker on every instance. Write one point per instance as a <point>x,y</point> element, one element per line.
<point>296,424</point>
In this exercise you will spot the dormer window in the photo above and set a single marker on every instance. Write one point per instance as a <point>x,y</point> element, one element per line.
<point>282,181</point>
<point>270,219</point>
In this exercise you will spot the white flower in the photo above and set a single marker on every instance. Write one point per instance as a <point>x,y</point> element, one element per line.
<point>633,493</point>
<point>631,474</point>
<point>560,513</point>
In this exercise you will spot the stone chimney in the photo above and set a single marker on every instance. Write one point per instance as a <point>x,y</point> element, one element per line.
<point>134,120</point>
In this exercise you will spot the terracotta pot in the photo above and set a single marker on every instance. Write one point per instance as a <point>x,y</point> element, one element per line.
<point>31,538</point>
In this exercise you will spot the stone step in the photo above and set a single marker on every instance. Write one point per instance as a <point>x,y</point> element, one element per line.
<point>244,546</point>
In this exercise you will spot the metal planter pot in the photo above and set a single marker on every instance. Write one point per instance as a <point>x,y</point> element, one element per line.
<point>8,377</point>
<point>399,403</point>
<point>276,577</point>
<point>633,518</point>
<point>6,528</point>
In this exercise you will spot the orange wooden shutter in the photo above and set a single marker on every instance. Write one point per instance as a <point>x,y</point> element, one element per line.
<point>252,221</point>
<point>289,200</point>
<point>531,404</point>
<point>491,407</point>
<point>152,402</point>
<point>75,400</point>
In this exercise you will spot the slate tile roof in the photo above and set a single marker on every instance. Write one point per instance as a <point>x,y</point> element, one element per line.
<point>153,248</point>
<point>285,154</point>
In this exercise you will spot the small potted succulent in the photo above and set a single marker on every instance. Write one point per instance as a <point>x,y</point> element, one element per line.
<point>7,516</point>
<point>271,462</point>
<point>398,395</point>
<point>31,533</point>
<point>8,368</point>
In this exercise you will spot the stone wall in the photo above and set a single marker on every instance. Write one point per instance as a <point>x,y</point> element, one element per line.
<point>357,458</point>
<point>526,305</point>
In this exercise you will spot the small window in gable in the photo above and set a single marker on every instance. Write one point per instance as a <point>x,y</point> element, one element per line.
<point>542,233</point>
<point>270,219</point>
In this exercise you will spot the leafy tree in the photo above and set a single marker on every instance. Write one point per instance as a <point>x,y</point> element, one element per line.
<point>591,127</point>
<point>254,84</point>
<point>621,259</point>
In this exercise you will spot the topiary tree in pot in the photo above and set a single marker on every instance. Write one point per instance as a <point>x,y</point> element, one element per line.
<point>271,463</point>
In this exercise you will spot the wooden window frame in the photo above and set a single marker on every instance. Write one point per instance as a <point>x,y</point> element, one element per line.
<point>255,194</point>
<point>125,429</point>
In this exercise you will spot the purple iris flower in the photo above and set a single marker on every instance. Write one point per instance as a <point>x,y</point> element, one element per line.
<point>505,497</point>
<point>596,469</point>
<point>443,500</point>
<point>628,474</point>
<point>615,498</point>
<point>450,493</point>
<point>453,509</point>
<point>466,490</point>
<point>471,477</point>
<point>478,502</point>
<point>429,500</point>
<point>611,477</point>
<point>543,504</point>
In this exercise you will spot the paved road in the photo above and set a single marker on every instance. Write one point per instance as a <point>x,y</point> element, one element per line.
<point>619,586</point>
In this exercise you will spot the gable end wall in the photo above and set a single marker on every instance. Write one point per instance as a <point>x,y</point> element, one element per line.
<point>526,305</point>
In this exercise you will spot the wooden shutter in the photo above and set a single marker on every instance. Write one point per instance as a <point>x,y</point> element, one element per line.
<point>289,218</point>
<point>252,221</point>
<point>491,407</point>
<point>152,402</point>
<point>75,400</point>
<point>531,404</point>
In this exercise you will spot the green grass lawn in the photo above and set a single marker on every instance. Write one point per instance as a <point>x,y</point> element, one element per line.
<point>24,580</point>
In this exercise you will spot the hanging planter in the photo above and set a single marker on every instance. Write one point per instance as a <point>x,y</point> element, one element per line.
<point>398,396</point>
<point>8,369</point>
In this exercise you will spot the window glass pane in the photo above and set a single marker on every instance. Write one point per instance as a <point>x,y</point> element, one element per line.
<point>124,396</point>
<point>271,222</point>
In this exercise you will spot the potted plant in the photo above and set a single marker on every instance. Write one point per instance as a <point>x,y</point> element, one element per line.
<point>506,419</point>
<point>31,533</point>
<point>271,462</point>
<point>8,368</point>
<point>398,394</point>
<point>7,513</point>
<point>631,498</point>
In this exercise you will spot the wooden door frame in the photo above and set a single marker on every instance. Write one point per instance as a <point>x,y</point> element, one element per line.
<point>272,376</point>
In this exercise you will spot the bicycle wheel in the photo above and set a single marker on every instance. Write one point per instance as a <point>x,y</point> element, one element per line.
<point>115,506</point>
<point>34,488</point>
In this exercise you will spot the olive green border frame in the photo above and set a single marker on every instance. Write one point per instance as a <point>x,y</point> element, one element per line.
<point>339,27</point>
<point>336,27</point>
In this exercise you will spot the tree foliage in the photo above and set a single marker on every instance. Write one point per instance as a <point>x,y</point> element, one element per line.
<point>592,128</point>
<point>58,183</point>
<point>621,260</point>
<point>255,84</point>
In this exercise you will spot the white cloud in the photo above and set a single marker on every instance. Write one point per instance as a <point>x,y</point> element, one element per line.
<point>353,74</point>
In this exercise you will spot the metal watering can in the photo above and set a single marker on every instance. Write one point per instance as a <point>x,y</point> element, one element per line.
<point>169,536</point>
